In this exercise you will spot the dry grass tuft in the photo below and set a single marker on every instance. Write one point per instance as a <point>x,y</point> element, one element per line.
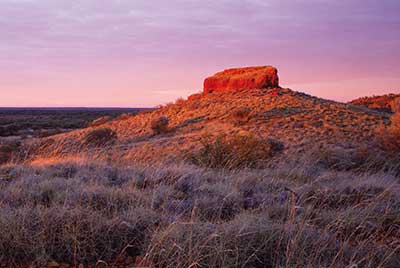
<point>160,125</point>
<point>240,151</point>
<point>99,137</point>
<point>185,216</point>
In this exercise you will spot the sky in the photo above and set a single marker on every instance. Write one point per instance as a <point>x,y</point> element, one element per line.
<point>141,53</point>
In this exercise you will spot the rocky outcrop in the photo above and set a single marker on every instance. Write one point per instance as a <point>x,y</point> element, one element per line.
<point>242,78</point>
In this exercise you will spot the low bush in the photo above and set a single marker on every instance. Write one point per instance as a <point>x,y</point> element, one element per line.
<point>338,158</point>
<point>389,137</point>
<point>241,115</point>
<point>160,125</point>
<point>100,137</point>
<point>241,151</point>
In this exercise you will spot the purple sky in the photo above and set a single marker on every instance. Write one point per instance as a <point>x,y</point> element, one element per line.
<point>143,53</point>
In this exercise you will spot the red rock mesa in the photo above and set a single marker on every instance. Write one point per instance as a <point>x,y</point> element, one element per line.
<point>242,78</point>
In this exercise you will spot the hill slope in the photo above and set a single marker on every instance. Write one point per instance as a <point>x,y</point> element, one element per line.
<point>384,103</point>
<point>296,119</point>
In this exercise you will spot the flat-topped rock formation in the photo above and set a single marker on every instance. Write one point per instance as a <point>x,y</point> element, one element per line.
<point>242,78</point>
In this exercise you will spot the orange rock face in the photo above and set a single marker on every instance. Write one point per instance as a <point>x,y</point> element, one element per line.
<point>242,78</point>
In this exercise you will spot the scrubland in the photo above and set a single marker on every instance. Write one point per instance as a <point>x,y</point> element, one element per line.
<point>293,181</point>
<point>22,123</point>
<point>295,214</point>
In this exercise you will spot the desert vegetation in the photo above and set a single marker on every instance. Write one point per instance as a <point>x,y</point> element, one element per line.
<point>160,125</point>
<point>185,216</point>
<point>237,202</point>
<point>41,122</point>
<point>99,137</point>
<point>240,151</point>
<point>248,177</point>
<point>389,136</point>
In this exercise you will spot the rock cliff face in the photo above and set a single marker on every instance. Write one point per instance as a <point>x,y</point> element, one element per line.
<point>242,78</point>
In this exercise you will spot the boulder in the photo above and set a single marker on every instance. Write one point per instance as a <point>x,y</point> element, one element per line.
<point>242,78</point>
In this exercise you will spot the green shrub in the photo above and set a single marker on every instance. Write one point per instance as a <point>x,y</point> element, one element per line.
<point>240,151</point>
